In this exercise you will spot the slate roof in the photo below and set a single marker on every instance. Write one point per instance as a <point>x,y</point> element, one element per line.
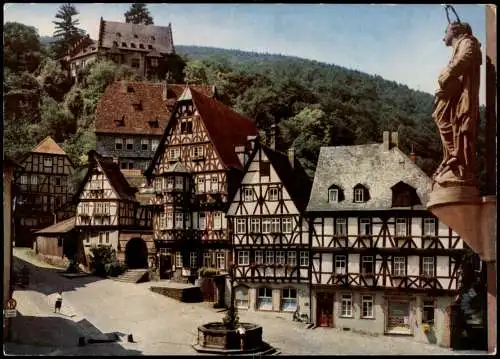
<point>117,104</point>
<point>369,165</point>
<point>59,227</point>
<point>48,145</point>
<point>159,37</point>
<point>226,128</point>
<point>296,181</point>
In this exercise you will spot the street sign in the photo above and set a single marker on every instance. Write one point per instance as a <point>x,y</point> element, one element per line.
<point>11,304</point>
<point>9,313</point>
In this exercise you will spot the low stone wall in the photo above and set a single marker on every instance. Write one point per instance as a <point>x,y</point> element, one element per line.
<point>186,295</point>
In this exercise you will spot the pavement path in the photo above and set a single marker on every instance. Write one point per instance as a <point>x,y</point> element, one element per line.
<point>164,326</point>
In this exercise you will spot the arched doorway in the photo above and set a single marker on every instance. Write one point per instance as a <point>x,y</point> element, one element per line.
<point>136,254</point>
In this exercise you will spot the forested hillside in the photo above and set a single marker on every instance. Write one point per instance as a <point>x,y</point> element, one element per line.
<point>313,104</point>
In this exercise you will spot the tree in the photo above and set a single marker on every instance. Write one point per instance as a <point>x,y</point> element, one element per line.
<point>53,80</point>
<point>67,31</point>
<point>138,14</point>
<point>21,47</point>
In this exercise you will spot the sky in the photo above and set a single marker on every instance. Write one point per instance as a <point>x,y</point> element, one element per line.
<point>400,42</point>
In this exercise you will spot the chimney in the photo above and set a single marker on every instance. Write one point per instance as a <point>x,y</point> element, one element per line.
<point>394,139</point>
<point>413,156</point>
<point>291,156</point>
<point>272,137</point>
<point>386,141</point>
<point>240,152</point>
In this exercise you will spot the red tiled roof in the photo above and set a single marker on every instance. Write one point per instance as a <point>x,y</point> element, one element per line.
<point>117,104</point>
<point>226,127</point>
<point>48,145</point>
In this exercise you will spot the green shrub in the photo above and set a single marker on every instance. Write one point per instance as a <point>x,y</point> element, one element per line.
<point>207,272</point>
<point>102,259</point>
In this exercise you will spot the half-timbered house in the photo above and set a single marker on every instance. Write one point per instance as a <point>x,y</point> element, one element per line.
<point>269,234</point>
<point>381,263</point>
<point>131,118</point>
<point>109,213</point>
<point>145,48</point>
<point>43,190</point>
<point>194,171</point>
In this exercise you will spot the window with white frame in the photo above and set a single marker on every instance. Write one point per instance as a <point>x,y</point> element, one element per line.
<point>367,265</point>
<point>247,194</point>
<point>24,179</point>
<point>429,227</point>
<point>333,195</point>
<point>207,259</point>
<point>154,144</point>
<point>107,237</point>
<point>401,227</point>
<point>34,179</point>
<point>304,259</point>
<point>340,265</point>
<point>170,220</point>
<point>273,194</point>
<point>193,259</point>
<point>287,224</point>
<point>367,306</point>
<point>214,185</point>
<point>201,221</point>
<point>243,258</point>
<point>365,226</point>
<point>241,297</point>
<point>200,184</point>
<point>399,266</point>
<point>428,266</point>
<point>130,144</point>
<point>144,144</point>
<point>240,225</point>
<point>358,195</point>
<point>197,151</point>
<point>178,259</point>
<point>265,299</point>
<point>179,220</point>
<point>341,226</point>
<point>266,225</point>
<point>221,260</point>
<point>259,257</point>
<point>292,258</point>
<point>275,225</point>
<point>346,306</point>
<point>280,257</point>
<point>269,257</point>
<point>428,311</point>
<point>118,143</point>
<point>170,182</point>
<point>179,182</point>
<point>175,154</point>
<point>47,162</point>
<point>217,220</point>
<point>255,225</point>
<point>289,300</point>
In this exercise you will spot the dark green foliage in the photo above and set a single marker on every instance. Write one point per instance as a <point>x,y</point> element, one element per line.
<point>138,14</point>
<point>21,47</point>
<point>103,262</point>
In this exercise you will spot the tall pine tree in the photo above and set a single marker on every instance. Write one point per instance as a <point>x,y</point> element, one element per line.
<point>67,31</point>
<point>138,14</point>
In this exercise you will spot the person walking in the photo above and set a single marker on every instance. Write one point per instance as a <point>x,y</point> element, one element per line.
<point>58,304</point>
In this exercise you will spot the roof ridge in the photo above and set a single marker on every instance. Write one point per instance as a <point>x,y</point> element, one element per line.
<point>51,144</point>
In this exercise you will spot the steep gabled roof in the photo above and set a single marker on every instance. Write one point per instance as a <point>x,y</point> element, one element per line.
<point>226,128</point>
<point>48,145</point>
<point>113,174</point>
<point>117,104</point>
<point>159,37</point>
<point>59,227</point>
<point>371,165</point>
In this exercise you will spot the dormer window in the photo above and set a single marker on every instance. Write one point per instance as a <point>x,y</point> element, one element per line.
<point>121,122</point>
<point>361,194</point>
<point>404,195</point>
<point>135,36</point>
<point>132,45</point>
<point>152,38</point>
<point>115,43</point>
<point>124,44</point>
<point>333,195</point>
<point>141,46</point>
<point>118,34</point>
<point>150,47</point>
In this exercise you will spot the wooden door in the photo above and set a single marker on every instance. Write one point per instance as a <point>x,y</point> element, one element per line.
<point>324,309</point>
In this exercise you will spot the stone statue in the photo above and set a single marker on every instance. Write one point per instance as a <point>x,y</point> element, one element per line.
<point>456,107</point>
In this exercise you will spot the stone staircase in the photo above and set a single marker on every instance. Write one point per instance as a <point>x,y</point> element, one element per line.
<point>133,276</point>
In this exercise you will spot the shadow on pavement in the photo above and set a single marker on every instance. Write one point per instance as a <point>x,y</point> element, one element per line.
<point>44,335</point>
<point>49,280</point>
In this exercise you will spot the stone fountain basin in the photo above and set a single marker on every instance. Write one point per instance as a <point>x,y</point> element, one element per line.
<point>216,336</point>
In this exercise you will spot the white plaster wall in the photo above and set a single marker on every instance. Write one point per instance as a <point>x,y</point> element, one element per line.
<point>413,265</point>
